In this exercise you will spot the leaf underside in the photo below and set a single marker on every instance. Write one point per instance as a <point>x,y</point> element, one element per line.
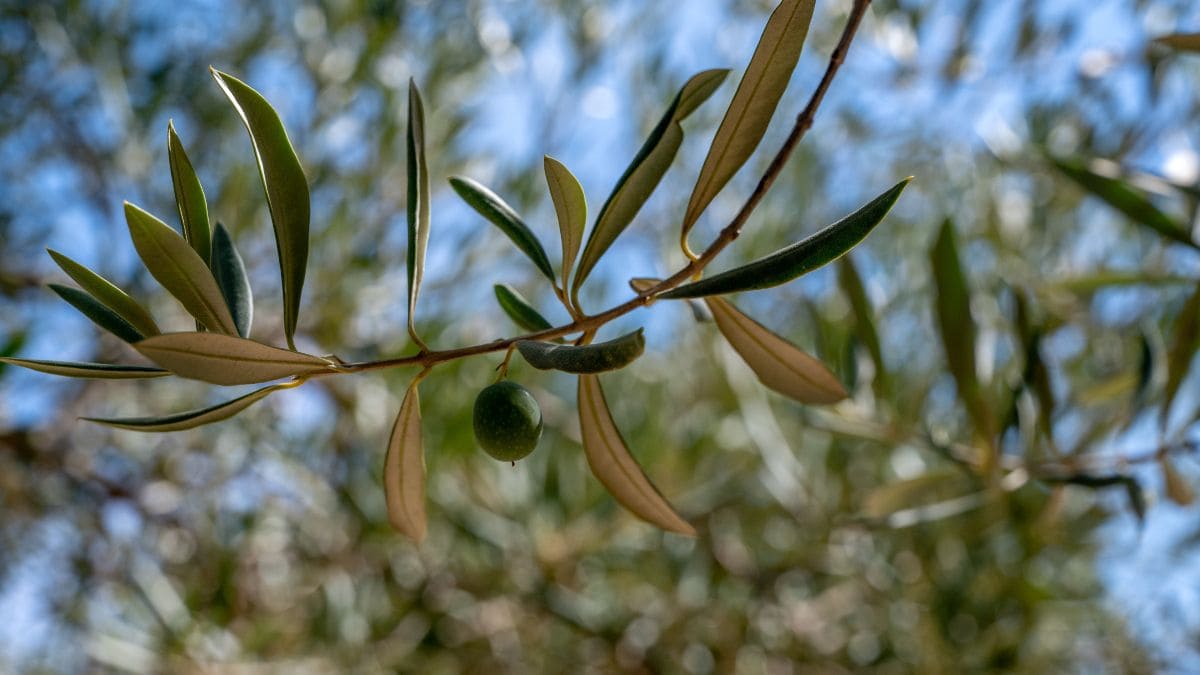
<point>227,359</point>
<point>404,470</point>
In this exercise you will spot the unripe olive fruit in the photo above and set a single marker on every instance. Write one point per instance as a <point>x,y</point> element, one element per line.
<point>508,421</point>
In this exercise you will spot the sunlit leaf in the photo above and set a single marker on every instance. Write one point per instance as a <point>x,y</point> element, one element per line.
<point>615,467</point>
<point>192,418</point>
<point>570,205</point>
<point>1186,42</point>
<point>1177,488</point>
<point>418,203</point>
<point>230,273</point>
<point>519,310</point>
<point>800,258</point>
<point>593,358</point>
<point>177,267</point>
<point>99,371</point>
<point>404,470</point>
<point>779,364</point>
<point>489,205</point>
<point>1183,347</point>
<point>99,313</point>
<point>864,320</point>
<point>286,189</point>
<point>189,196</point>
<point>753,103</point>
<point>226,359</point>
<point>646,170</point>
<point>107,294</point>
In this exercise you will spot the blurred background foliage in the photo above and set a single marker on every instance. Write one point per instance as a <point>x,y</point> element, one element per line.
<point>844,539</point>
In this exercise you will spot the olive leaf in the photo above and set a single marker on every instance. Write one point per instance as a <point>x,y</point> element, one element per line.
<point>646,170</point>
<point>615,467</point>
<point>1183,348</point>
<point>404,469</point>
<point>519,310</point>
<point>1185,42</point>
<point>864,320</point>
<point>779,364</point>
<point>99,371</point>
<point>189,196</point>
<point>179,269</point>
<point>753,103</point>
<point>193,418</point>
<point>98,312</point>
<point>418,203</point>
<point>107,294</point>
<point>593,358</point>
<point>230,273</point>
<point>227,359</point>
<point>286,189</point>
<point>1177,488</point>
<point>489,205</point>
<point>570,205</point>
<point>905,494</point>
<point>800,258</point>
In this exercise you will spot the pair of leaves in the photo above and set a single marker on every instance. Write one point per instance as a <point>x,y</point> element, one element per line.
<point>592,358</point>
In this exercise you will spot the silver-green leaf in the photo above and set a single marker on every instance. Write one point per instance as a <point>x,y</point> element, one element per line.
<point>98,312</point>
<point>519,310</point>
<point>230,273</point>
<point>189,196</point>
<point>570,205</point>
<point>192,418</point>
<point>227,359</point>
<point>593,358</point>
<point>489,205</point>
<point>418,203</point>
<point>107,294</point>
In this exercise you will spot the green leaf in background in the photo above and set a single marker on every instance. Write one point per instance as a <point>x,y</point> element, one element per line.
<point>11,346</point>
<point>286,189</point>
<point>594,358</point>
<point>99,371</point>
<point>1176,486</point>
<point>864,321</point>
<point>779,364</point>
<point>570,205</point>
<point>519,310</point>
<point>107,294</point>
<point>230,273</point>
<point>936,485</point>
<point>612,463</point>
<point>1184,42</point>
<point>1183,348</point>
<point>192,418</point>
<point>753,103</point>
<point>646,170</point>
<point>418,204</point>
<point>489,205</point>
<point>98,312</point>
<point>179,269</point>
<point>227,359</point>
<point>1127,199</point>
<point>800,258</point>
<point>404,469</point>
<point>189,196</point>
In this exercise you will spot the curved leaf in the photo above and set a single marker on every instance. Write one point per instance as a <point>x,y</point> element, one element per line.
<point>779,364</point>
<point>230,273</point>
<point>1126,199</point>
<point>192,418</point>
<point>99,313</point>
<point>594,358</point>
<point>107,294</point>
<point>753,103</point>
<point>646,170</point>
<point>177,267</point>
<point>99,371</point>
<point>418,203</point>
<point>800,258</point>
<point>570,205</point>
<point>226,359</point>
<point>286,188</point>
<point>489,205</point>
<point>1183,348</point>
<point>519,310</point>
<point>189,197</point>
<point>615,467</point>
<point>404,469</point>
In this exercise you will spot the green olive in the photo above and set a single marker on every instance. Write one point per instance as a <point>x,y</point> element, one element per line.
<point>508,421</point>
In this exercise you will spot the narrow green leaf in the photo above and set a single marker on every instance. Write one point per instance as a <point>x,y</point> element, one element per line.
<point>594,358</point>
<point>286,188</point>
<point>1183,349</point>
<point>779,364</point>
<point>612,463</point>
<point>570,205</point>
<point>179,269</point>
<point>1127,199</point>
<point>864,320</point>
<point>519,310</point>
<point>230,273</point>
<point>800,258</point>
<point>646,170</point>
<point>404,469</point>
<point>227,359</point>
<point>107,294</point>
<point>489,205</point>
<point>189,196</point>
<point>99,313</point>
<point>99,371</point>
<point>753,103</point>
<point>1184,42</point>
<point>418,203</point>
<point>192,418</point>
